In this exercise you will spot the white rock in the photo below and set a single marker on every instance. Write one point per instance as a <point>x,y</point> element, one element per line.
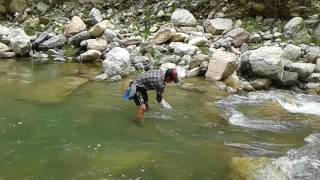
<point>182,17</point>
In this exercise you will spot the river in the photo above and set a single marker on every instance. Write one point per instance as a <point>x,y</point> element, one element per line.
<point>57,124</point>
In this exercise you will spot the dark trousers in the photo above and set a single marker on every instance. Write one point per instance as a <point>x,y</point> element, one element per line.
<point>141,96</point>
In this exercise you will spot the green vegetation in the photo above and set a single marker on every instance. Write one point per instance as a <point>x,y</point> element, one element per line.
<point>251,25</point>
<point>204,50</point>
<point>70,51</point>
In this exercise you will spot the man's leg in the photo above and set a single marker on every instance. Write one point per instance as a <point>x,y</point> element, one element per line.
<point>140,101</point>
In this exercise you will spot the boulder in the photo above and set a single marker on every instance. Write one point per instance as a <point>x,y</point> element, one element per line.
<point>289,78</point>
<point>292,52</point>
<point>98,29</point>
<point>3,46</point>
<point>75,26</point>
<point>116,62</point>
<point>296,30</point>
<point>314,77</point>
<point>221,65</point>
<point>95,16</point>
<point>3,8</point>
<point>90,56</point>
<point>42,37</point>
<point>95,44</point>
<point>78,38</point>
<point>217,26</point>
<point>182,17</point>
<point>7,54</point>
<point>261,83</point>
<point>165,33</point>
<point>239,36</point>
<point>57,41</point>
<point>183,49</point>
<point>20,42</point>
<point>199,41</point>
<point>267,62</point>
<point>303,69</point>
<point>312,54</point>
<point>131,41</point>
<point>109,35</point>
<point>17,6</point>
<point>194,72</point>
<point>179,37</point>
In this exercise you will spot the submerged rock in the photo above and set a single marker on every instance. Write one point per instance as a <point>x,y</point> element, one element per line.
<point>53,91</point>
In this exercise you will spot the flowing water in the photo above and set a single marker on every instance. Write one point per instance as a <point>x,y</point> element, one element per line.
<point>55,124</point>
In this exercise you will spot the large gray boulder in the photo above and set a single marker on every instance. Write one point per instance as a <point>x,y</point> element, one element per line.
<point>289,78</point>
<point>267,62</point>
<point>57,41</point>
<point>292,52</point>
<point>296,30</point>
<point>95,44</point>
<point>182,17</point>
<point>90,56</point>
<point>95,16</point>
<point>221,65</point>
<point>20,42</point>
<point>217,26</point>
<point>312,53</point>
<point>78,38</point>
<point>75,26</point>
<point>239,36</point>
<point>165,33</point>
<point>116,62</point>
<point>303,69</point>
<point>183,49</point>
<point>314,77</point>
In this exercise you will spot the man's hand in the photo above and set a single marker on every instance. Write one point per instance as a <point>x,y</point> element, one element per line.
<point>159,98</point>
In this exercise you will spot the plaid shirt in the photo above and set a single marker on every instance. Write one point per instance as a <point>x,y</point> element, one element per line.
<point>152,80</point>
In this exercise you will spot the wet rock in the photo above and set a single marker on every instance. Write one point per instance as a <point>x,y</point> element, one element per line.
<point>267,62</point>
<point>90,56</point>
<point>221,65</point>
<point>182,17</point>
<point>75,26</point>
<point>165,33</point>
<point>314,77</point>
<point>56,55</point>
<point>78,38</point>
<point>95,16</point>
<point>199,41</point>
<point>20,42</point>
<point>239,36</point>
<point>183,49</point>
<point>289,78</point>
<point>261,83</point>
<point>303,69</point>
<point>194,72</point>
<point>116,62</point>
<point>42,37</point>
<point>217,26</point>
<point>95,44</point>
<point>100,77</point>
<point>57,41</point>
<point>292,52</point>
<point>7,54</point>
<point>233,81</point>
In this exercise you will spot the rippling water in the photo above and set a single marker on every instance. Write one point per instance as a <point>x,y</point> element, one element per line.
<point>54,124</point>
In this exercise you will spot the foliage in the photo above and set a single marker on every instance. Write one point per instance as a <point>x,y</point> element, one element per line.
<point>70,51</point>
<point>251,25</point>
<point>205,50</point>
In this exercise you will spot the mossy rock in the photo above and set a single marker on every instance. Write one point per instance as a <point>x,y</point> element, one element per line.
<point>18,6</point>
<point>3,8</point>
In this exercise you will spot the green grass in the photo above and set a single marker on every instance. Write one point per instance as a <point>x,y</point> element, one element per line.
<point>70,51</point>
